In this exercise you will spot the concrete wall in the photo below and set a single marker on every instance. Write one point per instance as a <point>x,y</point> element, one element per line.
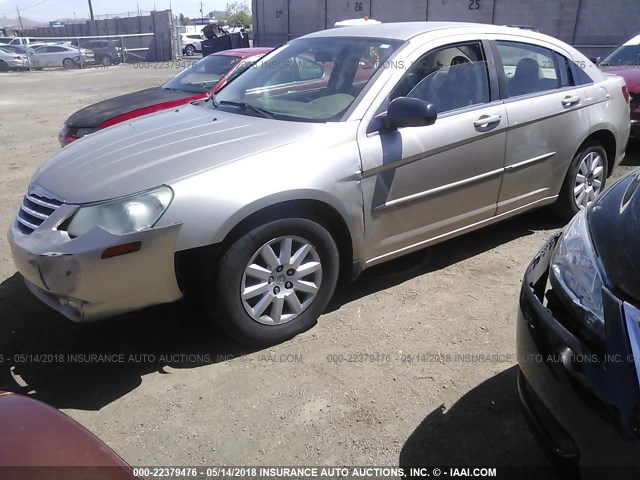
<point>158,22</point>
<point>592,25</point>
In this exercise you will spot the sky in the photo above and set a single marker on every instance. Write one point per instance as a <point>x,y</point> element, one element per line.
<point>45,10</point>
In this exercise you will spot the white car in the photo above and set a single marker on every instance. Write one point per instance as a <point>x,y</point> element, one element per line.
<point>61,56</point>
<point>340,150</point>
<point>354,22</point>
<point>16,40</point>
<point>12,61</point>
<point>192,43</point>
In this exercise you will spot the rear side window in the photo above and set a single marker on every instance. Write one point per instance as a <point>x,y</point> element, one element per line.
<point>532,69</point>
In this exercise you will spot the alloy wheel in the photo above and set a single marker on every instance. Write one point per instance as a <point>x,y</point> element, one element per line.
<point>281,280</point>
<point>589,180</point>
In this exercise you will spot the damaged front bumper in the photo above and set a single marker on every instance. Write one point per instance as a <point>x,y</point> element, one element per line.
<point>75,276</point>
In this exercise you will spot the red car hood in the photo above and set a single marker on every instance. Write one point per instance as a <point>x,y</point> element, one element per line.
<point>38,442</point>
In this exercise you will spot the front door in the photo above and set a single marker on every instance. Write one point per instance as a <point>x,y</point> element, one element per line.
<point>421,184</point>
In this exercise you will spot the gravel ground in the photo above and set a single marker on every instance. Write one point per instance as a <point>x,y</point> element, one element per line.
<point>183,394</point>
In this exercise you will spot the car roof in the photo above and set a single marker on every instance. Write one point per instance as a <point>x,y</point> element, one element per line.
<point>633,41</point>
<point>408,30</point>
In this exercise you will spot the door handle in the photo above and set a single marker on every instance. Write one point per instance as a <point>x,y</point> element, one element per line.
<point>485,120</point>
<point>570,100</point>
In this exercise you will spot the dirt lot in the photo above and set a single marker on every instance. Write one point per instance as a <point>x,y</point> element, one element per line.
<point>182,394</point>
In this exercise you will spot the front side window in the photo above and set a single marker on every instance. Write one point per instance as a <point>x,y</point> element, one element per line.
<point>450,78</point>
<point>532,69</point>
<point>310,79</point>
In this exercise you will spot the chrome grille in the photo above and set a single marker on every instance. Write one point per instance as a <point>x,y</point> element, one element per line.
<point>35,209</point>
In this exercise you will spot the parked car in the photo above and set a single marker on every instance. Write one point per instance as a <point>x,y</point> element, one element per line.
<point>352,22</point>
<point>106,52</point>
<point>35,435</point>
<point>18,49</point>
<point>625,61</point>
<point>61,56</point>
<point>24,41</point>
<point>290,176</point>
<point>204,78</point>
<point>578,334</point>
<point>10,60</point>
<point>192,44</point>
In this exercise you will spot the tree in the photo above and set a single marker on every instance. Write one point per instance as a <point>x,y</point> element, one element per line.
<point>238,14</point>
<point>185,20</point>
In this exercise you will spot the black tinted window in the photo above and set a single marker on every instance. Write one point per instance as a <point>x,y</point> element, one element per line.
<point>531,69</point>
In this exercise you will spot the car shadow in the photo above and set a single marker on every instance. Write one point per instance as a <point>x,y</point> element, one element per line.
<point>486,427</point>
<point>632,159</point>
<point>87,366</point>
<point>44,355</point>
<point>444,254</point>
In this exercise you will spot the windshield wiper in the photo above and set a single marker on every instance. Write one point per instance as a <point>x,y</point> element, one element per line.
<point>247,106</point>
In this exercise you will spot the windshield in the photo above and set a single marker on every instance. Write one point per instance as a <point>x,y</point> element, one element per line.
<point>624,55</point>
<point>203,75</point>
<point>310,79</point>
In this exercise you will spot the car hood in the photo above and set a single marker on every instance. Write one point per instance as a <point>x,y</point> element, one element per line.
<point>160,148</point>
<point>631,76</point>
<point>614,224</point>
<point>94,115</point>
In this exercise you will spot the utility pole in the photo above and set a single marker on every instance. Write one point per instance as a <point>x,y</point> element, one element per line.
<point>202,13</point>
<point>19,18</point>
<point>90,10</point>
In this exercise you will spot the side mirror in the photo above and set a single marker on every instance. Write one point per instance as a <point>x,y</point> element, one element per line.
<point>409,112</point>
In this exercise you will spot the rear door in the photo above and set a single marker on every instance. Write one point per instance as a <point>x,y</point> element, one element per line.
<point>547,120</point>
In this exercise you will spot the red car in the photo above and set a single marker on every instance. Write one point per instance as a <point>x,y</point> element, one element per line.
<point>205,77</point>
<point>38,442</point>
<point>624,60</point>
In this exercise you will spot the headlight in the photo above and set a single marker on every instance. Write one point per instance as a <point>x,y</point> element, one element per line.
<point>574,267</point>
<point>124,215</point>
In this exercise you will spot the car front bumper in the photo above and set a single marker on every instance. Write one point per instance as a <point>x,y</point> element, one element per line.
<point>71,275</point>
<point>583,410</point>
<point>19,63</point>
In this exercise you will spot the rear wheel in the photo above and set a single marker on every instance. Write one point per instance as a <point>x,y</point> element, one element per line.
<point>68,63</point>
<point>585,180</point>
<point>274,281</point>
<point>190,50</point>
<point>106,61</point>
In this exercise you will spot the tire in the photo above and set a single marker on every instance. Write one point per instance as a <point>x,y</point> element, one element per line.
<point>591,164</point>
<point>189,50</point>
<point>4,67</point>
<point>68,63</point>
<point>106,61</point>
<point>288,303</point>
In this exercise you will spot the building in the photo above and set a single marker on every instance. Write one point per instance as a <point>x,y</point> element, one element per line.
<point>593,26</point>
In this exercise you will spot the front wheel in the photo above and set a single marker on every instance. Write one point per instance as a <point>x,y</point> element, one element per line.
<point>273,282</point>
<point>585,180</point>
<point>190,50</point>
<point>106,61</point>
